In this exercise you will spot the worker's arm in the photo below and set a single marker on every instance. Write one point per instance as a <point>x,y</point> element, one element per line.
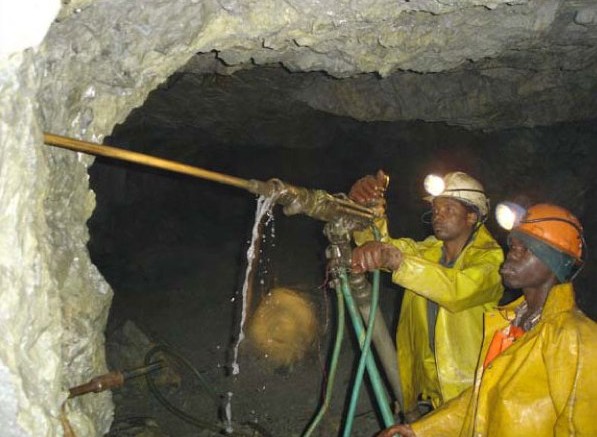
<point>362,237</point>
<point>455,289</point>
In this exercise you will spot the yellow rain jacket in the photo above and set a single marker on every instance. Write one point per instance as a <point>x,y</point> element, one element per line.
<point>464,292</point>
<point>545,384</point>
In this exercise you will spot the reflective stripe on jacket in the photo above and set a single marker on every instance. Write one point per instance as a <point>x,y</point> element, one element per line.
<point>545,384</point>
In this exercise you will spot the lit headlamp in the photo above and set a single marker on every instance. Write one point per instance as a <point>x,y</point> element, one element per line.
<point>550,232</point>
<point>434,184</point>
<point>509,214</point>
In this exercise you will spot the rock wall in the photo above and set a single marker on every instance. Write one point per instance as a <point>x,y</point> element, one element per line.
<point>101,58</point>
<point>54,303</point>
<point>30,354</point>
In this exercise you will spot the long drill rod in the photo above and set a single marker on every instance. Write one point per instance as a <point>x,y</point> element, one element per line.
<point>295,200</point>
<point>140,158</point>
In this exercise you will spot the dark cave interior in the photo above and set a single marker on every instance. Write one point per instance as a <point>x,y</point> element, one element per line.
<point>174,247</point>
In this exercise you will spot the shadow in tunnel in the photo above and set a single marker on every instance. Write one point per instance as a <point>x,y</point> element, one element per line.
<point>174,248</point>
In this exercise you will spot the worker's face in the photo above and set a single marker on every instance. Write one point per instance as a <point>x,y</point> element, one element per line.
<point>451,219</point>
<point>522,269</point>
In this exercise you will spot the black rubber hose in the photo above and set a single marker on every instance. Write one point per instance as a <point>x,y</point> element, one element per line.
<point>200,423</point>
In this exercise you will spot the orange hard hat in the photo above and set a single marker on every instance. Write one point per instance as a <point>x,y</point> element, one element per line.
<point>555,226</point>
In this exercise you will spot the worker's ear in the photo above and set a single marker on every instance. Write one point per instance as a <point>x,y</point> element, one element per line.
<point>472,218</point>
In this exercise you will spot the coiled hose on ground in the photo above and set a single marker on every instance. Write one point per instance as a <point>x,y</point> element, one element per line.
<point>216,427</point>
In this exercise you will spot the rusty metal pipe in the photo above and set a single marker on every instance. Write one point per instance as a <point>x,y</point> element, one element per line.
<point>98,384</point>
<point>111,380</point>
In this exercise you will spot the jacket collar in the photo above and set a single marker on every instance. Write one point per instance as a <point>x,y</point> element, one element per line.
<point>559,299</point>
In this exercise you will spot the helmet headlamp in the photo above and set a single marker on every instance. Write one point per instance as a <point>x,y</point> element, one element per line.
<point>434,184</point>
<point>460,186</point>
<point>509,214</point>
<point>553,226</point>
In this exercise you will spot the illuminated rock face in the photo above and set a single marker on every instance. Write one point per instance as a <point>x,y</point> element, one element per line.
<point>480,64</point>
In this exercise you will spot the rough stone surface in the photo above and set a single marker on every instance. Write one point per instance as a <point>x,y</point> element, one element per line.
<point>30,299</point>
<point>477,63</point>
<point>54,302</point>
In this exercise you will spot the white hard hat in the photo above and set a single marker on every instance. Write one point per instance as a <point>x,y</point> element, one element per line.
<point>461,186</point>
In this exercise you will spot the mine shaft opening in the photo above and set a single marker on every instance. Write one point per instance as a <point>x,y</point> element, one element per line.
<point>174,248</point>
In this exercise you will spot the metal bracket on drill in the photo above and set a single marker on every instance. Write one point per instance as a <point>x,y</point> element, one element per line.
<point>317,204</point>
<point>338,251</point>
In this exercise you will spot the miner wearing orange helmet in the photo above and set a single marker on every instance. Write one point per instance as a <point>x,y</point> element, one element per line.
<point>537,375</point>
<point>450,279</point>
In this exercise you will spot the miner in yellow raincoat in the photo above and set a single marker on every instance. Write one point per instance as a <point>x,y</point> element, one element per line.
<point>538,375</point>
<point>451,279</point>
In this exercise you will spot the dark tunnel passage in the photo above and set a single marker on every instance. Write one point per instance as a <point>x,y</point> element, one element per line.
<point>174,247</point>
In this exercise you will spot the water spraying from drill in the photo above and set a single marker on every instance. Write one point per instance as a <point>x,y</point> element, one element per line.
<point>342,217</point>
<point>264,207</point>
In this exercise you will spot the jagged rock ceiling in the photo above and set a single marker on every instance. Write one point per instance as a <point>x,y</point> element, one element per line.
<point>478,64</point>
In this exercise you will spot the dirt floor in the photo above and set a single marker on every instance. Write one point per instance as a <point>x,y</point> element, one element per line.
<point>185,294</point>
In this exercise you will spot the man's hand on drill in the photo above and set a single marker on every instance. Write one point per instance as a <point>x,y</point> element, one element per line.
<point>375,255</point>
<point>370,190</point>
